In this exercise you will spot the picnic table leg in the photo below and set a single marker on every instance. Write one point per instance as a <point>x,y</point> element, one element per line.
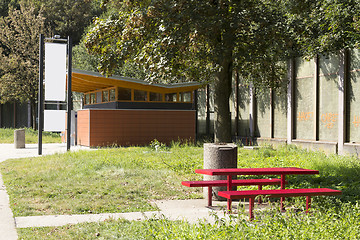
<point>260,200</point>
<point>229,201</point>
<point>282,186</point>
<point>308,203</point>
<point>229,188</point>
<point>251,207</point>
<point>209,196</point>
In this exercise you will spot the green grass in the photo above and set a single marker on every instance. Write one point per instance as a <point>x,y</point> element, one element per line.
<point>125,179</point>
<point>342,223</point>
<point>106,180</point>
<point>31,136</point>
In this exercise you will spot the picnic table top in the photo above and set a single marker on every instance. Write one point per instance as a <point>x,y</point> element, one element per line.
<point>256,171</point>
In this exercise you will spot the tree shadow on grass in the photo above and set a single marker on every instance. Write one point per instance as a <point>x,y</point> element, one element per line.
<point>345,179</point>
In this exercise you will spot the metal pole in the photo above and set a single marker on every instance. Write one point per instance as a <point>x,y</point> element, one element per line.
<point>195,103</point>
<point>208,109</point>
<point>237,104</point>
<point>41,90</point>
<point>69,95</point>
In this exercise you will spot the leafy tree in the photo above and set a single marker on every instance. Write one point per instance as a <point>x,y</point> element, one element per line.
<point>19,56</point>
<point>84,61</point>
<point>69,17</point>
<point>6,4</point>
<point>186,40</point>
<point>322,26</point>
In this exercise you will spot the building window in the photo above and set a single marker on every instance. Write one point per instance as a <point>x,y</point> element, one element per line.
<point>112,95</point>
<point>105,96</point>
<point>155,97</point>
<point>87,98</point>
<point>124,94</point>
<point>98,97</point>
<point>171,97</point>
<point>140,95</point>
<point>92,98</point>
<point>186,97</point>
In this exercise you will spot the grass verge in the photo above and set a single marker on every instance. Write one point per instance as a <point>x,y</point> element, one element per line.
<point>31,136</point>
<point>125,179</point>
<point>106,180</point>
<point>339,223</point>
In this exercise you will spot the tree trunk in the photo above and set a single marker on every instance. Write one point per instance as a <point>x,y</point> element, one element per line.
<point>222,92</point>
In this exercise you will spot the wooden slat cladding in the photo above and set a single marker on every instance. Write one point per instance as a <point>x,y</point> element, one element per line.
<point>83,128</point>
<point>134,127</point>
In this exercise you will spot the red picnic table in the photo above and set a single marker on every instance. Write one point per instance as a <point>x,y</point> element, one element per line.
<point>229,172</point>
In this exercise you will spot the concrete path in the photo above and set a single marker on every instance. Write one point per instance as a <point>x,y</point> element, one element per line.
<point>8,151</point>
<point>7,223</point>
<point>189,210</point>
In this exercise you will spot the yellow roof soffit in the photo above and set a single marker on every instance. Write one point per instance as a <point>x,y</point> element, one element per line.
<point>85,81</point>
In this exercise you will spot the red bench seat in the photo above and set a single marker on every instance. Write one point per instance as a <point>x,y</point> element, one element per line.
<point>235,182</point>
<point>251,194</point>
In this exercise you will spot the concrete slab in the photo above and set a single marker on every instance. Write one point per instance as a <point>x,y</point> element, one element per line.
<point>192,211</point>
<point>7,223</point>
<point>60,220</point>
<point>8,151</point>
<point>188,210</point>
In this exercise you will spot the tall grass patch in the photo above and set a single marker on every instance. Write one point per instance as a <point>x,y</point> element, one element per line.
<point>334,223</point>
<point>127,179</point>
<point>106,180</point>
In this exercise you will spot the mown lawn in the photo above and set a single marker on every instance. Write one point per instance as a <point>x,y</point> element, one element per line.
<point>31,136</point>
<point>125,179</point>
<point>99,181</point>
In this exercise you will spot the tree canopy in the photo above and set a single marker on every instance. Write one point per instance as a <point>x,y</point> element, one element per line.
<point>179,40</point>
<point>69,17</point>
<point>322,26</point>
<point>185,40</point>
<point>19,55</point>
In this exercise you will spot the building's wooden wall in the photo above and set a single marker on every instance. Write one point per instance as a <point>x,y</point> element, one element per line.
<point>83,128</point>
<point>133,127</point>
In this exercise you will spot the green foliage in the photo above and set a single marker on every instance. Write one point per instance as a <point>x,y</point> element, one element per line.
<point>178,40</point>
<point>82,60</point>
<point>182,40</point>
<point>322,26</point>
<point>68,17</point>
<point>6,4</point>
<point>19,55</point>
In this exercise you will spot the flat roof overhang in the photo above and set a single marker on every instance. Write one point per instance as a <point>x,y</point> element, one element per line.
<point>86,81</point>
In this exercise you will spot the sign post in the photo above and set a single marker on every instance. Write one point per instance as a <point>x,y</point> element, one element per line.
<point>41,93</point>
<point>56,53</point>
<point>69,95</point>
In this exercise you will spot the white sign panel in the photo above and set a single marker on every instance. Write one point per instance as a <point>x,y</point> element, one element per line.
<point>54,120</point>
<point>55,71</point>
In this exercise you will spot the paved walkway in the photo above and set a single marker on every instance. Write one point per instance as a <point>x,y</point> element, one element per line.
<point>8,151</point>
<point>190,210</point>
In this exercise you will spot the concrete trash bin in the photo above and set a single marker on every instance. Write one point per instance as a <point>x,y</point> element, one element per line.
<point>19,138</point>
<point>219,156</point>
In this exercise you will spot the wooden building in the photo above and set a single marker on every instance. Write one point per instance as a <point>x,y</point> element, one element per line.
<point>125,111</point>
